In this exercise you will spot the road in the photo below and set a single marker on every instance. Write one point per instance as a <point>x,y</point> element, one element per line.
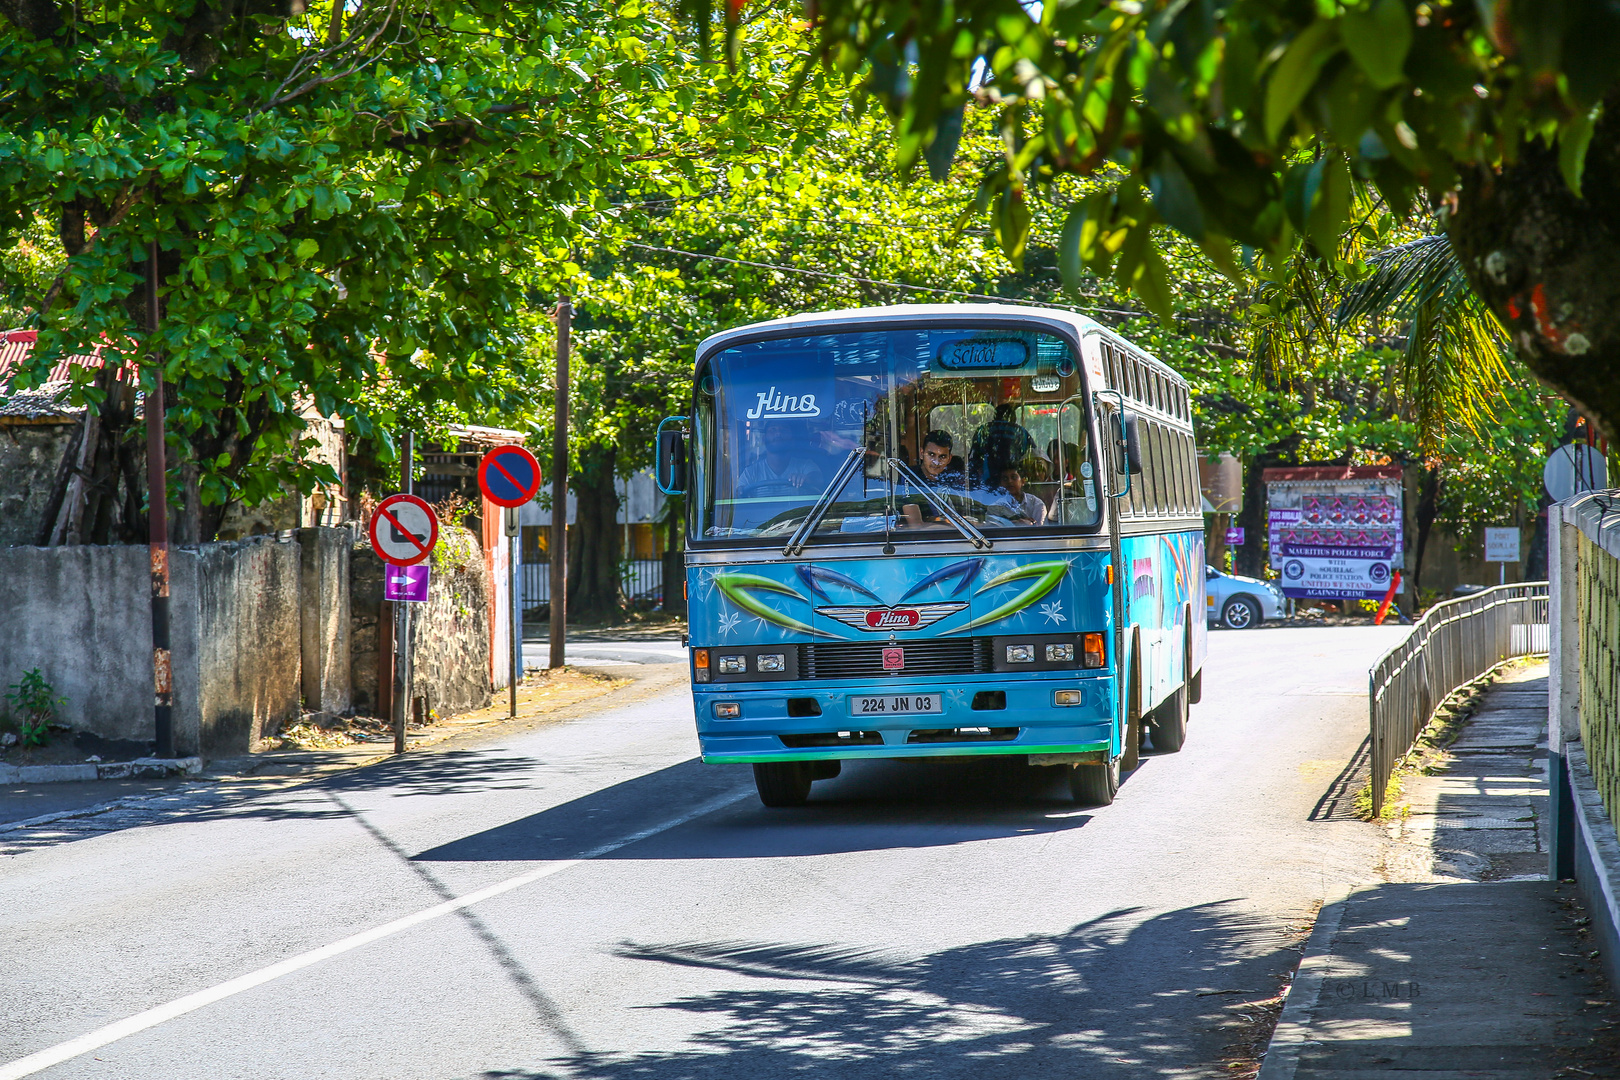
<point>586,900</point>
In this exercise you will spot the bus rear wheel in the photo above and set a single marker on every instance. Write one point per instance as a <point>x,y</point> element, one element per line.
<point>782,783</point>
<point>1169,724</point>
<point>1094,783</point>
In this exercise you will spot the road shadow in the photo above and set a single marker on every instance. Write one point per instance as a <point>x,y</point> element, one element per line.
<point>1338,802</point>
<point>1120,996</point>
<point>873,806</point>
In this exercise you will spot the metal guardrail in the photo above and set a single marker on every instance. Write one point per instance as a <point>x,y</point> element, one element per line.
<point>1454,643</point>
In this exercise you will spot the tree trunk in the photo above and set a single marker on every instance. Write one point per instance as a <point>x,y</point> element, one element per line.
<point>1423,517</point>
<point>1249,557</point>
<point>593,555</point>
<point>1543,260</point>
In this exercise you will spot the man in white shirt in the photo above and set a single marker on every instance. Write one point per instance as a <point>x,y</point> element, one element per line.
<point>1012,482</point>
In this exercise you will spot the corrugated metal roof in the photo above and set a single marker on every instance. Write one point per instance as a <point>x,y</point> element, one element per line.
<point>15,345</point>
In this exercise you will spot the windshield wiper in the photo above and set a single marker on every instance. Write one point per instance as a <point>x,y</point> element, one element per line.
<point>948,512</point>
<point>796,542</point>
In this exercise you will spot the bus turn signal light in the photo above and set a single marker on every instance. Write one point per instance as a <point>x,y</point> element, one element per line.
<point>1110,571</point>
<point>700,664</point>
<point>1091,648</point>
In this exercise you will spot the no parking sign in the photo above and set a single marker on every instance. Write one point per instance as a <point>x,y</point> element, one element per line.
<point>404,530</point>
<point>509,476</point>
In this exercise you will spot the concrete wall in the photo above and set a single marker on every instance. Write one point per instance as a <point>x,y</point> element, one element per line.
<point>325,624</point>
<point>246,607</point>
<point>83,617</point>
<point>30,454</point>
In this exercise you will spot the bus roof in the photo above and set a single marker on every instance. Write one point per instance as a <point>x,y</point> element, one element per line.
<point>1073,321</point>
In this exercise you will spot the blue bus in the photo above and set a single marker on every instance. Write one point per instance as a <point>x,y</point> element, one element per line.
<point>938,530</point>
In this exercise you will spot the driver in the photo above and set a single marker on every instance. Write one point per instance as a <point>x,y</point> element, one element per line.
<point>779,471</point>
<point>939,468</point>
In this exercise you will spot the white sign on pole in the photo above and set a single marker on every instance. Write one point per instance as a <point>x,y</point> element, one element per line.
<point>1502,545</point>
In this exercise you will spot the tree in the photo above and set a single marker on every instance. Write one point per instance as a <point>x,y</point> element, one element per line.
<point>348,202</point>
<point>1256,128</point>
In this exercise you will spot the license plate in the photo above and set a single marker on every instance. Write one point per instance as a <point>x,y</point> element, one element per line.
<point>895,704</point>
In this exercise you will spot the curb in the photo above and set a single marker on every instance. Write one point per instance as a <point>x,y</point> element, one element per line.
<point>140,768</point>
<point>1291,1036</point>
<point>1597,857</point>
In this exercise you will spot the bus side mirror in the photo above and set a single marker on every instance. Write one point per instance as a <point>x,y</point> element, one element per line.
<point>670,469</point>
<point>1133,446</point>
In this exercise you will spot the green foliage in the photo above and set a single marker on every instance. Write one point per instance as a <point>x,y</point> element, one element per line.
<point>1251,125</point>
<point>348,208</point>
<point>33,703</point>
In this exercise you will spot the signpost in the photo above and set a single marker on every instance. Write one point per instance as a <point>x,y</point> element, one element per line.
<point>1502,546</point>
<point>1234,536</point>
<point>404,530</point>
<point>509,476</point>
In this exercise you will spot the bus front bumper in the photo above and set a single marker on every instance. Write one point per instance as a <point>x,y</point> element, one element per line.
<point>770,725</point>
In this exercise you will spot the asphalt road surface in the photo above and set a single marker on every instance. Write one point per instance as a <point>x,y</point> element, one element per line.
<point>586,900</point>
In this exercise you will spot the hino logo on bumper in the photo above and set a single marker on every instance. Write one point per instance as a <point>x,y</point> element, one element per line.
<point>884,619</point>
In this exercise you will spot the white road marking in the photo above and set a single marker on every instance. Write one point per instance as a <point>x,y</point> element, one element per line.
<point>67,1051</point>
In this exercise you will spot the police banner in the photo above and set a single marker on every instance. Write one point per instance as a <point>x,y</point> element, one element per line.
<point>1327,578</point>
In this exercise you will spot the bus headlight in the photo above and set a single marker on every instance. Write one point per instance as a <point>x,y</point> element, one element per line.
<point>1066,697</point>
<point>1060,653</point>
<point>733,665</point>
<point>772,661</point>
<point>1020,654</point>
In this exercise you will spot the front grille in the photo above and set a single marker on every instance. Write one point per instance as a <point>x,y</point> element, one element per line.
<point>864,660</point>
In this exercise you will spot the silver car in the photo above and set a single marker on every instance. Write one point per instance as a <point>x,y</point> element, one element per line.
<point>1239,603</point>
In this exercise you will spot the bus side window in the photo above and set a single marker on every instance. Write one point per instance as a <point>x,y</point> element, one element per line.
<point>1178,468</point>
<point>1161,472</point>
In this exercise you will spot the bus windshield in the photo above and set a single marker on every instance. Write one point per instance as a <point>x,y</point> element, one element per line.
<point>990,421</point>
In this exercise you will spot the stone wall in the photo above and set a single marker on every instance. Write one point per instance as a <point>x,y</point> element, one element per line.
<point>30,454</point>
<point>449,633</point>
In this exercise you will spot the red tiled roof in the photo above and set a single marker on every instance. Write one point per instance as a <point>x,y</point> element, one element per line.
<point>15,345</point>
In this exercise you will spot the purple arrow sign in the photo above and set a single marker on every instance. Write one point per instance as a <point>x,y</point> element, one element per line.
<point>407,583</point>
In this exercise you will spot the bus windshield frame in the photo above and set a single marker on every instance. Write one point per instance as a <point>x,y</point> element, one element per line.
<point>776,413</point>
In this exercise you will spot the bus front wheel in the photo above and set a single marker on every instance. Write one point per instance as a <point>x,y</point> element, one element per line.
<point>782,783</point>
<point>1094,783</point>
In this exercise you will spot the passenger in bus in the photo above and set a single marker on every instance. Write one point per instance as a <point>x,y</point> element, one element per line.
<point>999,445</point>
<point>782,470</point>
<point>939,467</point>
<point>1012,482</point>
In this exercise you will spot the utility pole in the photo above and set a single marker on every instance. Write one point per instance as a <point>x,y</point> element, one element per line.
<point>157,515</point>
<point>402,625</point>
<point>559,490</point>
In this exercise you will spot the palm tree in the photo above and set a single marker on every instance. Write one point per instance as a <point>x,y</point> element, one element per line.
<point>1452,359</point>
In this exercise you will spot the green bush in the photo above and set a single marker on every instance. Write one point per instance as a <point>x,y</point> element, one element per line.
<point>33,703</point>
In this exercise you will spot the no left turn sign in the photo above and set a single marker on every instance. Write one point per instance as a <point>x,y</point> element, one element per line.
<point>404,530</point>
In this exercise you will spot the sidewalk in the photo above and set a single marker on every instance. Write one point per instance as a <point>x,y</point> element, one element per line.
<point>39,815</point>
<point>1466,962</point>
